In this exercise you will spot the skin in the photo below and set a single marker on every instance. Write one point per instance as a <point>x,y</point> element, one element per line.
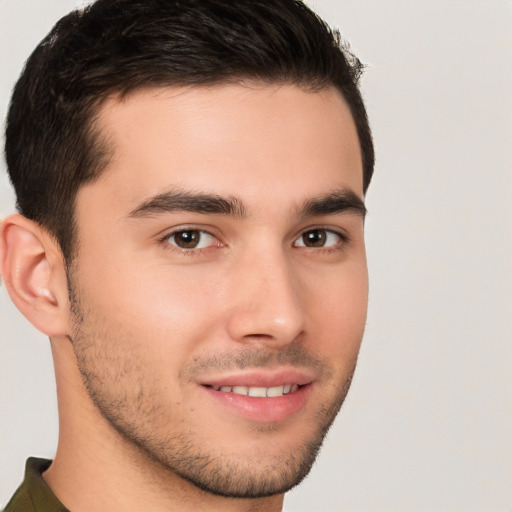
<point>150,326</point>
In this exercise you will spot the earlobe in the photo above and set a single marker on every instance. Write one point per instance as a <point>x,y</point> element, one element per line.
<point>34,274</point>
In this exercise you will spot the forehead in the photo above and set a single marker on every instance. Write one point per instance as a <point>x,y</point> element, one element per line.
<point>252,141</point>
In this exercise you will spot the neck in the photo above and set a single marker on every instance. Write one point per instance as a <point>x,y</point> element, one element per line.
<point>96,468</point>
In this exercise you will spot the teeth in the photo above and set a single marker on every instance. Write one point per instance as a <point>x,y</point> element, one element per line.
<point>260,392</point>
<point>275,391</point>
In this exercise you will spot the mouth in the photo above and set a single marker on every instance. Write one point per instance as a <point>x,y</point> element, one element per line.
<point>261,396</point>
<point>259,391</point>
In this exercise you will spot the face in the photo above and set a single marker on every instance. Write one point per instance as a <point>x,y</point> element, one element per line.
<point>220,287</point>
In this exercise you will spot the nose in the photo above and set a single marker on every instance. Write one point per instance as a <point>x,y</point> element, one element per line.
<point>266,306</point>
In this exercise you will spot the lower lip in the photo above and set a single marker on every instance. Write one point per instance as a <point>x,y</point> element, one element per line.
<point>263,410</point>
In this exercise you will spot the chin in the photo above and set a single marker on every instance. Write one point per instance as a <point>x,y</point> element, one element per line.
<point>252,477</point>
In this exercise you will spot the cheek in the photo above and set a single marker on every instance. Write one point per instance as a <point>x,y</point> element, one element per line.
<point>160,305</point>
<point>338,310</point>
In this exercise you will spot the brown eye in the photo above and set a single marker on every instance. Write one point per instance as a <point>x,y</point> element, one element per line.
<point>318,238</point>
<point>191,239</point>
<point>187,239</point>
<point>314,238</point>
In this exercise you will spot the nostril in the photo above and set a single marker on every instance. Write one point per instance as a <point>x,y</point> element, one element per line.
<point>258,335</point>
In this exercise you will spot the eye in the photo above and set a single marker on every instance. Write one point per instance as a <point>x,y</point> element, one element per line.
<point>190,239</point>
<point>318,238</point>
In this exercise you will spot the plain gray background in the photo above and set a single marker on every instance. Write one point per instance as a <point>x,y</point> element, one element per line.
<point>427,425</point>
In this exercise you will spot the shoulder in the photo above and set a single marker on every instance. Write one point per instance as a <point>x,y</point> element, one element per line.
<point>34,495</point>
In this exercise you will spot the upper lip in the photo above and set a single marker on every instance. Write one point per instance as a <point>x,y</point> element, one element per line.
<point>264,378</point>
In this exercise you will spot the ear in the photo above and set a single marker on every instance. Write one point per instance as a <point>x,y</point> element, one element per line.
<point>33,270</point>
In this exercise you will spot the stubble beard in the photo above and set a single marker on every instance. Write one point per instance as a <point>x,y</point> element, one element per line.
<point>183,453</point>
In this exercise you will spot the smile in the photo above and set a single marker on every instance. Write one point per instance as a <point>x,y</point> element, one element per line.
<point>260,392</point>
<point>263,397</point>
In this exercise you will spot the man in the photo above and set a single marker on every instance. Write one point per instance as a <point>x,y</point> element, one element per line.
<point>190,177</point>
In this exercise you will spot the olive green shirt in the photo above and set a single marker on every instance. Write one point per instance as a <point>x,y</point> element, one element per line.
<point>34,495</point>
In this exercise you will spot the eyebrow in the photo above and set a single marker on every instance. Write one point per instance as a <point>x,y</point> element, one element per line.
<point>177,200</point>
<point>338,201</point>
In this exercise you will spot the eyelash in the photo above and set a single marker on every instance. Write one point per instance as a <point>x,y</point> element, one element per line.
<point>164,241</point>
<point>344,240</point>
<point>342,243</point>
